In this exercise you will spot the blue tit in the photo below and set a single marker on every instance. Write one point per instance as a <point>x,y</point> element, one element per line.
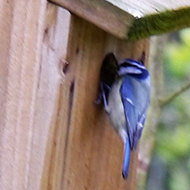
<point>126,103</point>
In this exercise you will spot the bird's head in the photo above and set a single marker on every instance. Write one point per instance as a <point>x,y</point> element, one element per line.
<point>133,68</point>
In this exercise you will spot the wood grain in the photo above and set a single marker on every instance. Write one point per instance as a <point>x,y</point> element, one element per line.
<point>129,19</point>
<point>52,135</point>
<point>29,86</point>
<point>101,13</point>
<point>94,152</point>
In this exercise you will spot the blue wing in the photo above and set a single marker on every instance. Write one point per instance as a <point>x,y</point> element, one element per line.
<point>135,100</point>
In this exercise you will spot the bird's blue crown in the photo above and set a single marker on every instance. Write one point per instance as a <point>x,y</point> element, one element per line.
<point>133,68</point>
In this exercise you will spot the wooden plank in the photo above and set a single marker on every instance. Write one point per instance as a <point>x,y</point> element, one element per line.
<point>55,47</point>
<point>101,13</point>
<point>94,152</point>
<point>31,66</point>
<point>49,116</point>
<point>21,23</point>
<point>128,19</point>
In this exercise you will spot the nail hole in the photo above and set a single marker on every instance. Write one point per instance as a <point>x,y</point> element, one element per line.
<point>77,50</point>
<point>65,67</point>
<point>46,31</point>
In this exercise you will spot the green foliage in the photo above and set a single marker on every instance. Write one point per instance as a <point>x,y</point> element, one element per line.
<point>179,179</point>
<point>174,141</point>
<point>173,135</point>
<point>177,55</point>
<point>174,144</point>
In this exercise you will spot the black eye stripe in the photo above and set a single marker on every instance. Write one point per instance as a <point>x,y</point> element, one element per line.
<point>131,62</point>
<point>143,72</point>
<point>129,65</point>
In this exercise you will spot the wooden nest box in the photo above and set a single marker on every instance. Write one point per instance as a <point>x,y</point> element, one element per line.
<point>53,137</point>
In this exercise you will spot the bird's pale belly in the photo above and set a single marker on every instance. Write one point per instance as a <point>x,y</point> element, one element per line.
<point>116,110</point>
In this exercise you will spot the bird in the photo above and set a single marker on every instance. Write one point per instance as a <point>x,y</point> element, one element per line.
<point>126,100</point>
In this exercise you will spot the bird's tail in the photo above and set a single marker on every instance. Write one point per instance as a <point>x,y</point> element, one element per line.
<point>126,160</point>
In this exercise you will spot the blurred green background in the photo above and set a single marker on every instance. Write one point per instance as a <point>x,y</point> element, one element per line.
<point>170,164</point>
